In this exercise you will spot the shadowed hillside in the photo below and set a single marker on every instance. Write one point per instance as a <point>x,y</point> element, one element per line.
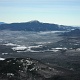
<point>29,69</point>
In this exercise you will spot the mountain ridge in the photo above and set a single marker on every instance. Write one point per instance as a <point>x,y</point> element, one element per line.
<point>2,23</point>
<point>34,26</point>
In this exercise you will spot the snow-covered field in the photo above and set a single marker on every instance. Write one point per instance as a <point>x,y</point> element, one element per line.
<point>24,40</point>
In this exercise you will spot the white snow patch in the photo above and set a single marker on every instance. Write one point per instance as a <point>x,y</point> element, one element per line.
<point>47,32</point>
<point>55,50</point>
<point>41,43</point>
<point>11,44</point>
<point>19,48</point>
<point>34,51</point>
<point>10,74</point>
<point>4,53</point>
<point>59,48</point>
<point>2,59</point>
<point>34,46</point>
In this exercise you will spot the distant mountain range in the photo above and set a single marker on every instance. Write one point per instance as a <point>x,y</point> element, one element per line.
<point>35,26</point>
<point>75,32</point>
<point>2,23</point>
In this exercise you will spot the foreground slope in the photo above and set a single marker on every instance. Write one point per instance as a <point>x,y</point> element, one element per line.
<point>29,69</point>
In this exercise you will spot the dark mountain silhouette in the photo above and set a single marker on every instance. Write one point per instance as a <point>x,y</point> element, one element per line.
<point>34,26</point>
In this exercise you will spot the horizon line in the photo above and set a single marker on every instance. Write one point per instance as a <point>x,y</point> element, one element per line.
<point>38,21</point>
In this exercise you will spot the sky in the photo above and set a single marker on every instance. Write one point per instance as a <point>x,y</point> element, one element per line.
<point>63,12</point>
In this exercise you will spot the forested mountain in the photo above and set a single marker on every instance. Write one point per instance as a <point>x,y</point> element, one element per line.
<point>34,26</point>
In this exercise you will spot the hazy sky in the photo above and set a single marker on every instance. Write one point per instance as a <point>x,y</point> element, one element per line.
<point>65,12</point>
